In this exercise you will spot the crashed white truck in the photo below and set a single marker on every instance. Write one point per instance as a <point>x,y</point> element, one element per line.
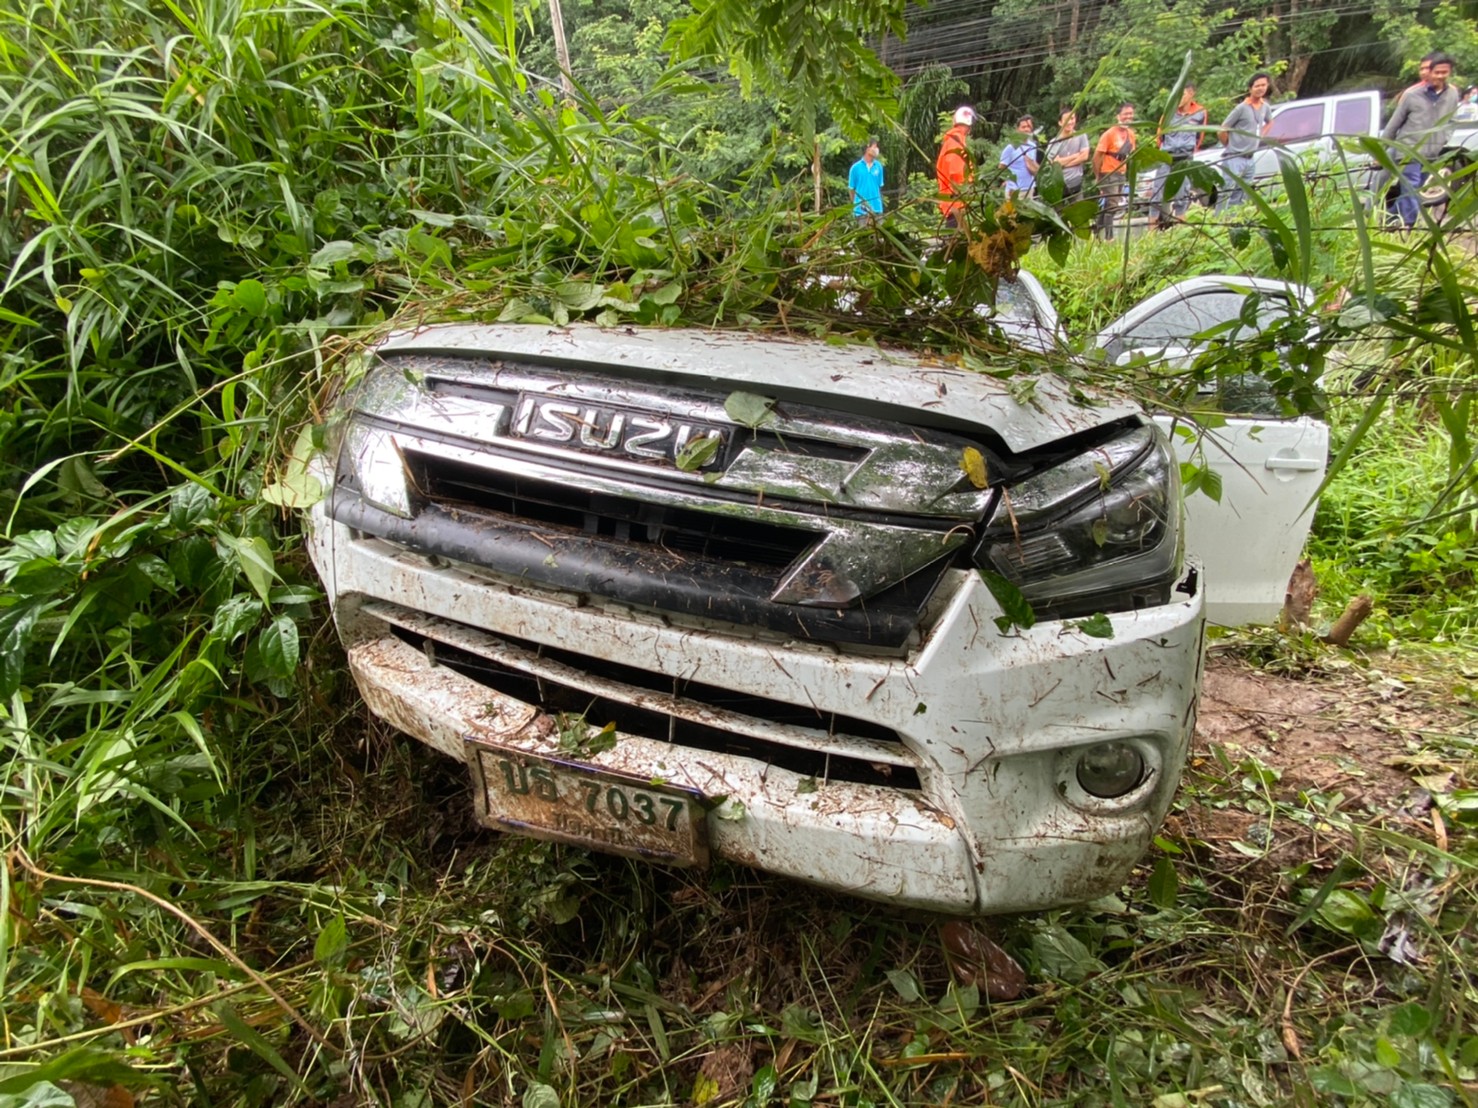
<point>679,594</point>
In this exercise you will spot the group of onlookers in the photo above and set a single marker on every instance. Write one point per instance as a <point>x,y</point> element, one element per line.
<point>1418,129</point>
<point>1074,154</point>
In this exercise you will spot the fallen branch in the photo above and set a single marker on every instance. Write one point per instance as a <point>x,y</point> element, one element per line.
<point>1354,615</point>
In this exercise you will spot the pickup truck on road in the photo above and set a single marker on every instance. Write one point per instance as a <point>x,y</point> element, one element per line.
<point>1311,131</point>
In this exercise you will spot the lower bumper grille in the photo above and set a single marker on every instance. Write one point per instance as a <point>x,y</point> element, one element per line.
<point>687,714</point>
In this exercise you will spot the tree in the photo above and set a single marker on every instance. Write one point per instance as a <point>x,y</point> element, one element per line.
<point>808,56</point>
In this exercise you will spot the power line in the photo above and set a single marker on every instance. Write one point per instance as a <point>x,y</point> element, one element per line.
<point>951,42</point>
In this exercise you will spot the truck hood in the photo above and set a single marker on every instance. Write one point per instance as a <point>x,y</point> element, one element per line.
<point>867,380</point>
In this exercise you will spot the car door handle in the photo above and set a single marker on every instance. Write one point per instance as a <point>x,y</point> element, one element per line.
<point>1300,465</point>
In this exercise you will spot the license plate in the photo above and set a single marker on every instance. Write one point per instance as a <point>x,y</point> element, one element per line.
<point>571,802</point>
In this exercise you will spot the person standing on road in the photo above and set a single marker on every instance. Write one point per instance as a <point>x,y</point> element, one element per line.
<point>1020,159</point>
<point>866,184</point>
<point>1420,126</point>
<point>1110,162</point>
<point>1069,151</point>
<point>1241,135</point>
<point>1180,139</point>
<point>952,167</point>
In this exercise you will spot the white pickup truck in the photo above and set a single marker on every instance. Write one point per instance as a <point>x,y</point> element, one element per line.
<point>1311,131</point>
<point>677,594</point>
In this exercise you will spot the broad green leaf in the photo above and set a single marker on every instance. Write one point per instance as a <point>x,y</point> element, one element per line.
<point>278,644</point>
<point>697,453</point>
<point>190,504</point>
<point>1096,626</point>
<point>16,624</point>
<point>1349,912</point>
<point>799,1022</point>
<point>254,557</point>
<point>1062,955</point>
<point>43,1094</point>
<point>749,409</point>
<point>1417,1094</point>
<point>332,945</point>
<point>1164,884</point>
<point>1411,1019</point>
<point>251,295</point>
<point>762,1088</point>
<point>296,488</point>
<point>905,984</point>
<point>539,1095</point>
<point>1016,609</point>
<point>580,296</point>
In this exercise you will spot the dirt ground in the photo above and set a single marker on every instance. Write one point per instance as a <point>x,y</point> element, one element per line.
<point>1375,734</point>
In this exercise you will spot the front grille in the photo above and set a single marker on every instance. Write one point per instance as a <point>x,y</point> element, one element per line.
<point>709,535</point>
<point>599,709</point>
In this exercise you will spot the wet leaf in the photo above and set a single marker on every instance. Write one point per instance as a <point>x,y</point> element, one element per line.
<point>749,409</point>
<point>1016,609</point>
<point>1096,626</point>
<point>762,1088</point>
<point>972,462</point>
<point>697,453</point>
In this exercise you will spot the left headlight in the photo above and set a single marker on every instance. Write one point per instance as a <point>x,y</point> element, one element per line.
<point>1099,532</point>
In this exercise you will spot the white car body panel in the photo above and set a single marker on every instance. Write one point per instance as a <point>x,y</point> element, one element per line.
<point>1270,467</point>
<point>946,762</point>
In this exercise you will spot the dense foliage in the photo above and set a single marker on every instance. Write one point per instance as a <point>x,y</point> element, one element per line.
<point>220,885</point>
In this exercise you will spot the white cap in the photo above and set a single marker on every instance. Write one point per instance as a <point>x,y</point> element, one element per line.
<point>966,116</point>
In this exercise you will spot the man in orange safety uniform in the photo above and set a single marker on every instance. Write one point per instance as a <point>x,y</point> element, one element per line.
<point>952,167</point>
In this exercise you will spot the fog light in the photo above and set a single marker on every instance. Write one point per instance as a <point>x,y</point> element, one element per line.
<point>1110,770</point>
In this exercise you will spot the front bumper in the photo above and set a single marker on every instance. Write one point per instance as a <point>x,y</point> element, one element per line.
<point>973,808</point>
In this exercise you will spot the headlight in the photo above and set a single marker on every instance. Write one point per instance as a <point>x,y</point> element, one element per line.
<point>1099,532</point>
<point>1110,770</point>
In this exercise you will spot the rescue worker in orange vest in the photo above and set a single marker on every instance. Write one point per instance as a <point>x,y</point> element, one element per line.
<point>952,167</point>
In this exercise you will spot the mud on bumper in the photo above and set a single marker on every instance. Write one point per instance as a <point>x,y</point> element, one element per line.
<point>943,779</point>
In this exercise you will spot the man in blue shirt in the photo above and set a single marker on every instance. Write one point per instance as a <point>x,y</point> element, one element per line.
<point>866,183</point>
<point>1021,160</point>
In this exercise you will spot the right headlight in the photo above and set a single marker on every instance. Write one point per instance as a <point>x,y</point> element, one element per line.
<point>1099,532</point>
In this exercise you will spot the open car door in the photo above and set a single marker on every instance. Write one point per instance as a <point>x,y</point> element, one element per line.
<point>1270,465</point>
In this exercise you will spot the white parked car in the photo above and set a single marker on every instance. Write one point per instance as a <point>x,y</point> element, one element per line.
<point>677,594</point>
<point>1270,466</point>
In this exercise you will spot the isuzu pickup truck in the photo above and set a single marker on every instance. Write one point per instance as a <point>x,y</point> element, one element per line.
<point>843,613</point>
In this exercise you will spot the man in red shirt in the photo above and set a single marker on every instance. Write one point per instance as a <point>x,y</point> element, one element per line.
<point>952,167</point>
<point>1109,161</point>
